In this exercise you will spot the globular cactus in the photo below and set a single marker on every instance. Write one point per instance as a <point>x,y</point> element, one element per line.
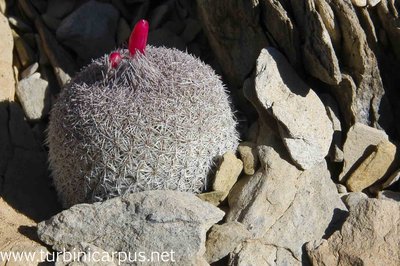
<point>152,121</point>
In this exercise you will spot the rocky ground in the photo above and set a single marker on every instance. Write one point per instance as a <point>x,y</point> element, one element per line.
<point>315,84</point>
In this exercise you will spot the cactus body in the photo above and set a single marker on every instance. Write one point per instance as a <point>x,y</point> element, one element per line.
<point>156,121</point>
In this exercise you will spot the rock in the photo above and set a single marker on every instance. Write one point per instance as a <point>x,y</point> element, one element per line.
<point>163,37</point>
<point>335,152</point>
<point>223,239</point>
<point>236,44</point>
<point>25,53</point>
<point>123,32</point>
<point>389,195</point>
<point>192,28</point>
<point>18,236</point>
<point>30,70</point>
<point>140,12</point>
<point>158,15</point>
<point>124,10</point>
<point>227,174</point>
<point>61,61</point>
<point>373,168</point>
<point>43,59</point>
<point>318,54</point>
<point>359,138</point>
<point>282,29</point>
<point>341,189</point>
<point>146,221</point>
<point>176,27</point>
<point>33,94</point>
<point>7,82</point>
<point>3,6</point>
<point>270,202</point>
<point>360,3</point>
<point>302,120</point>
<point>393,178</point>
<point>373,3</point>
<point>40,5</point>
<point>85,254</point>
<point>388,17</point>
<point>249,156</point>
<point>90,30</point>
<point>256,252</point>
<point>367,98</point>
<point>331,23</point>
<point>51,22</point>
<point>60,8</point>
<point>369,236</point>
<point>19,24</point>
<point>212,197</point>
<point>353,198</point>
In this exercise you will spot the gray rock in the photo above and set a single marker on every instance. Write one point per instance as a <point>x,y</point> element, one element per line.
<point>353,198</point>
<point>192,28</point>
<point>389,195</point>
<point>29,71</point>
<point>85,254</point>
<point>90,30</point>
<point>33,94</point>
<point>158,15</point>
<point>146,221</point>
<point>282,29</point>
<point>369,236</point>
<point>60,8</point>
<point>123,32</point>
<point>163,37</point>
<point>359,138</point>
<point>236,44</point>
<point>223,239</point>
<point>283,206</point>
<point>51,22</point>
<point>301,117</point>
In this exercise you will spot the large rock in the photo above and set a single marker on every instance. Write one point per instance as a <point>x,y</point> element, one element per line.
<point>146,221</point>
<point>236,37</point>
<point>370,236</point>
<point>18,236</point>
<point>359,138</point>
<point>7,82</point>
<point>90,30</point>
<point>285,207</point>
<point>302,120</point>
<point>34,96</point>
<point>374,168</point>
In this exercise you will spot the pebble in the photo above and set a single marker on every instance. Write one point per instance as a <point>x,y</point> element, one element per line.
<point>30,70</point>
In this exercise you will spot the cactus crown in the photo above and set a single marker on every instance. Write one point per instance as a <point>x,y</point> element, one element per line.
<point>156,121</point>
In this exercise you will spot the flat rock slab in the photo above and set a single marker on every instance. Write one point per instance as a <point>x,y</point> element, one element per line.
<point>304,125</point>
<point>7,82</point>
<point>151,221</point>
<point>359,138</point>
<point>369,236</point>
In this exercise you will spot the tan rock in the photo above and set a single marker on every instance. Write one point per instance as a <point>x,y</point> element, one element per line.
<point>360,3</point>
<point>12,224</point>
<point>25,53</point>
<point>7,82</point>
<point>3,6</point>
<point>389,195</point>
<point>223,239</point>
<point>369,236</point>
<point>392,179</point>
<point>331,23</point>
<point>249,156</point>
<point>227,173</point>
<point>373,168</point>
<point>212,197</point>
<point>359,138</point>
<point>373,2</point>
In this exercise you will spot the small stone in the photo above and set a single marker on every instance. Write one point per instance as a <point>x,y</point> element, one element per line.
<point>51,22</point>
<point>90,30</point>
<point>7,82</point>
<point>389,195</point>
<point>359,138</point>
<point>373,168</point>
<point>29,70</point>
<point>227,174</point>
<point>360,3</point>
<point>353,198</point>
<point>19,24</point>
<point>341,189</point>
<point>59,8</point>
<point>212,197</point>
<point>147,221</point>
<point>123,31</point>
<point>249,156</point>
<point>192,28</point>
<point>33,95</point>
<point>223,239</point>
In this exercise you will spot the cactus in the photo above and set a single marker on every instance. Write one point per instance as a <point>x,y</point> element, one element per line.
<point>154,121</point>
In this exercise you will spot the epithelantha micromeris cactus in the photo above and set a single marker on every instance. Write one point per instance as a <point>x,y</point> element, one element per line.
<point>135,121</point>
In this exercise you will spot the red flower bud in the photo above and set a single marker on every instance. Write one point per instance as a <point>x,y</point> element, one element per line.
<point>115,58</point>
<point>138,38</point>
